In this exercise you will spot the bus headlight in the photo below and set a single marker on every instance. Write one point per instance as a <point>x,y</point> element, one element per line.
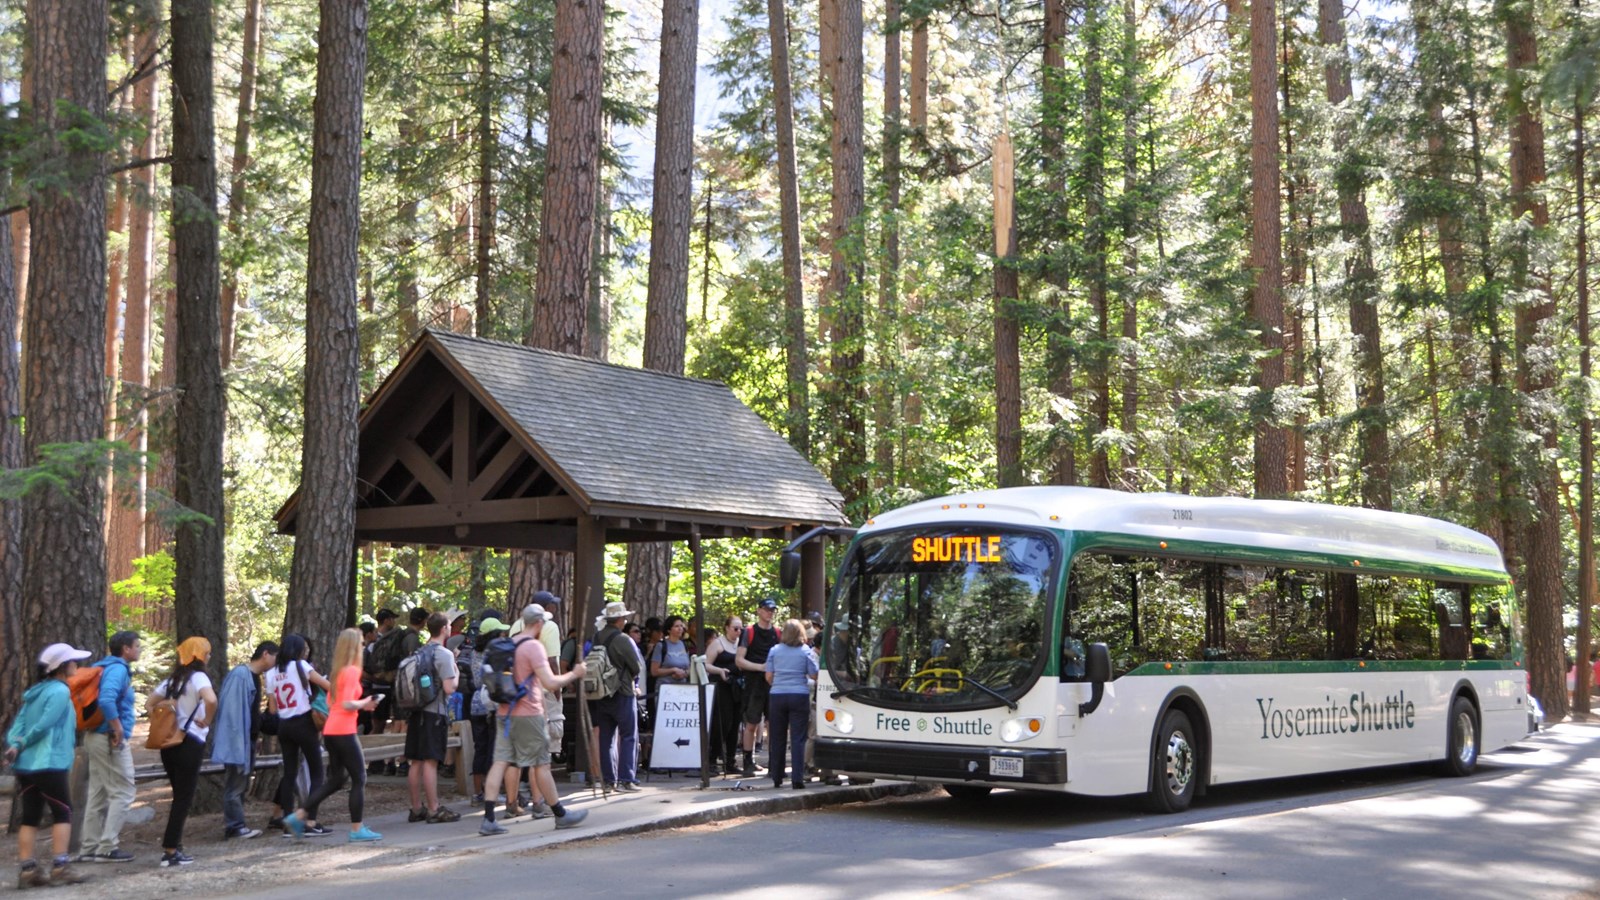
<point>842,722</point>
<point>1014,730</point>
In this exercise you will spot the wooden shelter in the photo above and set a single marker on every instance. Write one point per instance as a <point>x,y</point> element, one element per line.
<point>478,443</point>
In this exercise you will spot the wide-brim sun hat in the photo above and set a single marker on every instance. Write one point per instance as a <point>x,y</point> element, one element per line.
<point>617,610</point>
<point>55,656</point>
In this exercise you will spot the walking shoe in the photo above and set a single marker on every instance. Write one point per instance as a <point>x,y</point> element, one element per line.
<point>364,835</point>
<point>513,812</point>
<point>490,829</point>
<point>731,769</point>
<point>175,858</point>
<point>444,814</point>
<point>244,832</point>
<point>65,875</point>
<point>417,815</point>
<point>277,822</point>
<point>477,799</point>
<point>32,876</point>
<point>749,771</point>
<point>629,787</point>
<point>375,768</point>
<point>403,768</point>
<point>295,826</point>
<point>318,831</point>
<point>572,819</point>
<point>116,856</point>
<point>540,810</point>
<point>798,785</point>
<point>390,768</point>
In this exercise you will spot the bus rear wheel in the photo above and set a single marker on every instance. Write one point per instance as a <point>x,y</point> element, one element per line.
<point>1175,764</point>
<point>968,793</point>
<point>1461,739</point>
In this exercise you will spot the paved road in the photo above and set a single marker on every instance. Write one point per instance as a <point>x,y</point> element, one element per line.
<point>1526,825</point>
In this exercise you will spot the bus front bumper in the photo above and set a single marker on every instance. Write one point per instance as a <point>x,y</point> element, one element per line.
<point>942,762</point>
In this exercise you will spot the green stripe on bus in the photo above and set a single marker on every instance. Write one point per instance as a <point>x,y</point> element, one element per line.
<point>1307,667</point>
<point>1278,557</point>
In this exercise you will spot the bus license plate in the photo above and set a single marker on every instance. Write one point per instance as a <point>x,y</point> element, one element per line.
<point>1005,766</point>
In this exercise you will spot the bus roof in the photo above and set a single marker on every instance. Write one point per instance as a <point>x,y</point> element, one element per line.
<point>1282,532</point>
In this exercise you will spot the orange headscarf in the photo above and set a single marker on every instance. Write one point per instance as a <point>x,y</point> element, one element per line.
<point>192,649</point>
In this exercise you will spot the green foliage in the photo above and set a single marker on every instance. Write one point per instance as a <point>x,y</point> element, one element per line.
<point>150,587</point>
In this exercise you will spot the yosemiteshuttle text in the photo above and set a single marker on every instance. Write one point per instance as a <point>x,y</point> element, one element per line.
<point>1393,711</point>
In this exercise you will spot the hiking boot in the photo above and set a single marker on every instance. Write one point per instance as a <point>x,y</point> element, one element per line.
<point>64,874</point>
<point>444,814</point>
<point>417,815</point>
<point>32,876</point>
<point>490,829</point>
<point>572,819</point>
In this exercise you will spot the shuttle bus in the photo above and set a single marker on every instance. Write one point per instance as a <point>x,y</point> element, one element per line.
<point>1104,643</point>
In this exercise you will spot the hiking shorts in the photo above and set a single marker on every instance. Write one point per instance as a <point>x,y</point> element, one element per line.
<point>427,737</point>
<point>522,741</point>
<point>755,697</point>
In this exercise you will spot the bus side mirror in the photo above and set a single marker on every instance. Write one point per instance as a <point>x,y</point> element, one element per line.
<point>789,569</point>
<point>1097,671</point>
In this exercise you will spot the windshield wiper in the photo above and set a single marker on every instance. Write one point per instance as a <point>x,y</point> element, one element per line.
<point>1010,704</point>
<point>847,694</point>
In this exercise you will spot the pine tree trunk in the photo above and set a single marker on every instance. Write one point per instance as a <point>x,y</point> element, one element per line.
<point>64,574</point>
<point>1130,246</point>
<point>127,535</point>
<point>319,587</point>
<point>887,330</point>
<point>794,298</point>
<point>846,268</point>
<point>1536,375</point>
<point>1266,249</point>
<point>237,185</point>
<point>1586,549</point>
<point>597,339</point>
<point>1059,350</point>
<point>919,76</point>
<point>488,139</point>
<point>571,180</point>
<point>200,603</point>
<point>14,666</point>
<point>1095,244</point>
<point>1007,356</point>
<point>1361,282</point>
<point>671,219</point>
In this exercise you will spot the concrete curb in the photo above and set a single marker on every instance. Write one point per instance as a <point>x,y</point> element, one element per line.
<point>774,802</point>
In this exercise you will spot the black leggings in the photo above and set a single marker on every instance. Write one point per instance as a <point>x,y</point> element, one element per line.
<point>182,763</point>
<point>344,758</point>
<point>299,738</point>
<point>41,788</point>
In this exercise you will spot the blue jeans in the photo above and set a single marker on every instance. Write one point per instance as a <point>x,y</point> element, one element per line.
<point>617,717</point>
<point>789,715</point>
<point>234,780</point>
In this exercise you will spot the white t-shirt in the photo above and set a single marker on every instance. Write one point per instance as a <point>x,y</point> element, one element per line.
<point>293,695</point>
<point>189,701</point>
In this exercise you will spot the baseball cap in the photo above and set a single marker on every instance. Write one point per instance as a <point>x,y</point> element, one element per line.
<point>815,617</point>
<point>386,614</point>
<point>545,597</point>
<point>490,625</point>
<point>768,603</point>
<point>532,613</point>
<point>55,655</point>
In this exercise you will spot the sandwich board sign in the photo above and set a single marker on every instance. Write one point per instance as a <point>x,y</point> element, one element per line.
<point>677,736</point>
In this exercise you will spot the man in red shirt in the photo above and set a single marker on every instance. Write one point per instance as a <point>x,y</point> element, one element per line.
<point>521,738</point>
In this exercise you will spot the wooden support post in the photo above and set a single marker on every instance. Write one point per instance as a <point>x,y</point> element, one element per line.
<point>589,591</point>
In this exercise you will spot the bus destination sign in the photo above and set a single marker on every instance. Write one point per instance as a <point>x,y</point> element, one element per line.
<point>971,548</point>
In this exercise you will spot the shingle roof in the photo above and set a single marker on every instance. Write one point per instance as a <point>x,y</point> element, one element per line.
<point>627,437</point>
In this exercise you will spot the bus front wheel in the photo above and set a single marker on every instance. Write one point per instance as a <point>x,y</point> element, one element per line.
<point>1461,739</point>
<point>968,793</point>
<point>1175,764</point>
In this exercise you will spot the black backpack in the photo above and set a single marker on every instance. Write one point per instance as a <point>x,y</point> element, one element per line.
<point>385,653</point>
<point>499,670</point>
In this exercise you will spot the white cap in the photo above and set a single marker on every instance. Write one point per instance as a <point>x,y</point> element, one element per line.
<point>56,654</point>
<point>532,613</point>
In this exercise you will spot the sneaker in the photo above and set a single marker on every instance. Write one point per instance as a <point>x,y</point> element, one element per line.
<point>318,831</point>
<point>65,875</point>
<point>572,819</point>
<point>175,858</point>
<point>277,822</point>
<point>490,829</point>
<point>629,787</point>
<point>749,771</point>
<point>477,799</point>
<point>417,815</point>
<point>294,825</point>
<point>798,785</point>
<point>32,876</point>
<point>87,857</point>
<point>540,810</point>
<point>116,856</point>
<point>364,835</point>
<point>244,833</point>
<point>444,814</point>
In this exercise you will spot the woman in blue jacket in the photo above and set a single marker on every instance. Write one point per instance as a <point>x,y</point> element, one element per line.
<point>39,745</point>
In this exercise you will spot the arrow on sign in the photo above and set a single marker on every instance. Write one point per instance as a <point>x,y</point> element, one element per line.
<point>681,742</point>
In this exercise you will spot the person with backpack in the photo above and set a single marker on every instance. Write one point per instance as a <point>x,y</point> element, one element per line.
<point>289,694</point>
<point>422,685</point>
<point>472,659</point>
<point>344,748</point>
<point>614,663</point>
<point>39,747</point>
<point>188,691</point>
<point>521,738</point>
<point>233,735</point>
<point>108,754</point>
<point>754,645</point>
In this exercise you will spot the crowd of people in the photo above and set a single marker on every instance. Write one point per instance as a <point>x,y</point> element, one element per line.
<point>513,682</point>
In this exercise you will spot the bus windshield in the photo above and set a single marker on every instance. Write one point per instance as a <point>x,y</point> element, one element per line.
<point>943,617</point>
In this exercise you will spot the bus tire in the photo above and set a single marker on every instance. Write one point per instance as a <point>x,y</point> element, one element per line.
<point>1461,739</point>
<point>968,793</point>
<point>1174,765</point>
